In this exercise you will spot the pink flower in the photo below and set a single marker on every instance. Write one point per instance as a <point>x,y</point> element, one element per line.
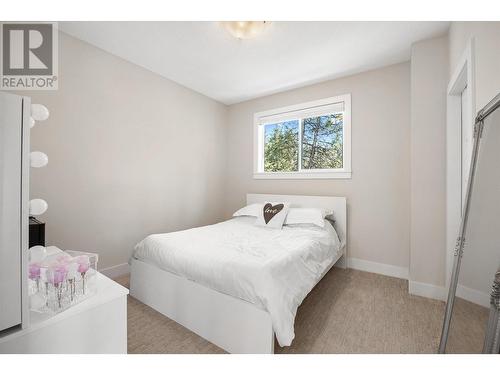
<point>62,267</point>
<point>83,267</point>
<point>83,263</point>
<point>59,275</point>
<point>34,271</point>
<point>57,272</point>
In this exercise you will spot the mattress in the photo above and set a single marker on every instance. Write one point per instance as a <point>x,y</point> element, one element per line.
<point>273,269</point>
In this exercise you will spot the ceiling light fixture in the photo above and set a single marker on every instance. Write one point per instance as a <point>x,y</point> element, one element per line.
<point>245,29</point>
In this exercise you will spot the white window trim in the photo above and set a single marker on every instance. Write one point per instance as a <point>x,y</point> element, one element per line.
<point>275,114</point>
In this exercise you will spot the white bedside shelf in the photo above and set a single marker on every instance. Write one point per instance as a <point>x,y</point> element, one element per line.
<point>96,325</point>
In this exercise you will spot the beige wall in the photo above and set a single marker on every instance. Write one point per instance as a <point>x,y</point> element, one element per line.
<point>481,256</point>
<point>429,77</point>
<point>487,56</point>
<point>130,153</point>
<point>118,167</point>
<point>379,191</point>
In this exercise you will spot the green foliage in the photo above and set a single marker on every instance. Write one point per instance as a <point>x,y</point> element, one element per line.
<point>281,151</point>
<point>322,142</point>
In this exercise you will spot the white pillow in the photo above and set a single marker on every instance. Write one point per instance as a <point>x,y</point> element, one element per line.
<point>250,210</point>
<point>272,215</point>
<point>313,216</point>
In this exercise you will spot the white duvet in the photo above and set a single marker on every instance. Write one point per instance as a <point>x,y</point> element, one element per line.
<point>274,269</point>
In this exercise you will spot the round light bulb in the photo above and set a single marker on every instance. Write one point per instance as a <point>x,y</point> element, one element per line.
<point>39,112</point>
<point>38,159</point>
<point>38,207</point>
<point>32,122</point>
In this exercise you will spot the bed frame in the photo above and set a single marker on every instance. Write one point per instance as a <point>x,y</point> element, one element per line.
<point>234,325</point>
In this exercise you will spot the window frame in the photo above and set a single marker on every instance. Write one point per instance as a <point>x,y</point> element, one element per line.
<point>299,111</point>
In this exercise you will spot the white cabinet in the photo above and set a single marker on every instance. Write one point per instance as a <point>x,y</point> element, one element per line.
<point>96,325</point>
<point>14,172</point>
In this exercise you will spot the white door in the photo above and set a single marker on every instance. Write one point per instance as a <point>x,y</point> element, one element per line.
<point>467,130</point>
<point>11,110</point>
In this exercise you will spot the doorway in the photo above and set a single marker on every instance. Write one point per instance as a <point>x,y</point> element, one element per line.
<point>459,139</point>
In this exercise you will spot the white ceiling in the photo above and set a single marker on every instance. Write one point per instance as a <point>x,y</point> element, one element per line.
<point>205,58</point>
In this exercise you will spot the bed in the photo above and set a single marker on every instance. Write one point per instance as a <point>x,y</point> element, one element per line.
<point>235,284</point>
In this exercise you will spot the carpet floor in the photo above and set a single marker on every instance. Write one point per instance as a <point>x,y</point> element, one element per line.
<point>349,311</point>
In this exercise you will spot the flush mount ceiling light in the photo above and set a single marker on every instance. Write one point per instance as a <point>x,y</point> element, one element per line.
<point>245,29</point>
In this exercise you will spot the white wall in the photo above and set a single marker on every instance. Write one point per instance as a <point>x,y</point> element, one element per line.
<point>130,153</point>
<point>429,72</point>
<point>481,256</point>
<point>379,191</point>
<point>433,62</point>
<point>487,55</point>
<point>429,76</point>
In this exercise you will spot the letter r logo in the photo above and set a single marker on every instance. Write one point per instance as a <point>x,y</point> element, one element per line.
<point>27,49</point>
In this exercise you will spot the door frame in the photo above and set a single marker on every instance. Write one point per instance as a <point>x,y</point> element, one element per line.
<point>463,76</point>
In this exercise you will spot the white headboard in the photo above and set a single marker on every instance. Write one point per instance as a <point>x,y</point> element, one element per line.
<point>337,204</point>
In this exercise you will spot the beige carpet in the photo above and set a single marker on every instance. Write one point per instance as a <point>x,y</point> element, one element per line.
<point>348,312</point>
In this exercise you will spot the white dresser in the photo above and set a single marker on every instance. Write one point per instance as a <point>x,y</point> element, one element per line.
<point>96,325</point>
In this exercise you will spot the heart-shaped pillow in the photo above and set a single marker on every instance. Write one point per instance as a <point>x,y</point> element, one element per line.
<point>273,214</point>
<point>270,211</point>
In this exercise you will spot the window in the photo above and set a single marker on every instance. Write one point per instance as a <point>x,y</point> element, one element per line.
<point>310,140</point>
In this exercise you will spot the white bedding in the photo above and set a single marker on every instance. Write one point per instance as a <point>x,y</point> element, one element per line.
<point>274,269</point>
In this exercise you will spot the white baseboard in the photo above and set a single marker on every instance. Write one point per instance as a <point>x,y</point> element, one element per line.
<point>414,287</point>
<point>427,290</point>
<point>116,271</point>
<point>474,296</point>
<point>440,293</point>
<point>380,268</point>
